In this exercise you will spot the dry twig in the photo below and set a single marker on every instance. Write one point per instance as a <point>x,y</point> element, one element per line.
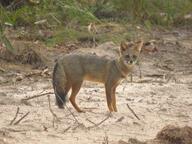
<point>43,73</point>
<point>36,96</point>
<point>17,122</point>
<point>16,114</point>
<point>96,125</point>
<point>90,121</point>
<point>72,114</point>
<point>155,75</point>
<point>120,119</point>
<point>69,111</point>
<point>53,114</point>
<point>133,112</point>
<point>67,129</point>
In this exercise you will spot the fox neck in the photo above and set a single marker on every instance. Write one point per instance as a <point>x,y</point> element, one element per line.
<point>124,70</point>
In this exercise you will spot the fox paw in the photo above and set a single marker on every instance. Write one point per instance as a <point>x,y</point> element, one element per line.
<point>81,111</point>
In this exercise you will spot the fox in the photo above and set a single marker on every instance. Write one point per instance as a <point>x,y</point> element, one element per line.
<point>72,69</point>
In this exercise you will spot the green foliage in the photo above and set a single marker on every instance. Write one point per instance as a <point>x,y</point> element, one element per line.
<point>55,12</point>
<point>22,16</point>
<point>161,12</point>
<point>78,14</point>
<point>66,35</point>
<point>66,17</point>
<point>4,40</point>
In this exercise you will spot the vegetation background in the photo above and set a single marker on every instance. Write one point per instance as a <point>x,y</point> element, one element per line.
<point>35,33</point>
<point>58,21</point>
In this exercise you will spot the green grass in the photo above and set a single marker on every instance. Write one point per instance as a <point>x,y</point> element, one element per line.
<point>66,17</point>
<point>56,12</point>
<point>65,35</point>
<point>159,12</point>
<point>5,40</point>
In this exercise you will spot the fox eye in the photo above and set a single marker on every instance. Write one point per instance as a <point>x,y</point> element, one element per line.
<point>127,56</point>
<point>134,57</point>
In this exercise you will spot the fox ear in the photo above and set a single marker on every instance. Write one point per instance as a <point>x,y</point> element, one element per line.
<point>123,46</point>
<point>139,45</point>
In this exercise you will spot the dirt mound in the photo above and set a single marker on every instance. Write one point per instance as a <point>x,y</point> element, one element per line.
<point>107,50</point>
<point>25,53</point>
<point>169,135</point>
<point>175,135</point>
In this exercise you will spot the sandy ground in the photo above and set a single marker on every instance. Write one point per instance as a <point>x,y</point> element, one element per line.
<point>162,97</point>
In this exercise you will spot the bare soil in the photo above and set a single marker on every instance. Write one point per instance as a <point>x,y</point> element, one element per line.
<point>162,97</point>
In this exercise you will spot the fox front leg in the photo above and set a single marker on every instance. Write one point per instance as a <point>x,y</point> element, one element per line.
<point>108,90</point>
<point>114,99</point>
<point>75,89</point>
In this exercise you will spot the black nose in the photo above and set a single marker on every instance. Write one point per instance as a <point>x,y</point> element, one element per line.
<point>131,61</point>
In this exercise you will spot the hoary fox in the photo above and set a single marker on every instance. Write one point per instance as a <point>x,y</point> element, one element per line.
<point>70,72</point>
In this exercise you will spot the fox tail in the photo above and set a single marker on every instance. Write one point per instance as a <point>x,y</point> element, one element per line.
<point>59,80</point>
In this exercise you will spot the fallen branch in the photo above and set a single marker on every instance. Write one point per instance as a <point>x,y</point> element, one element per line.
<point>65,130</point>
<point>17,122</point>
<point>72,114</point>
<point>36,96</point>
<point>43,73</point>
<point>96,125</point>
<point>80,125</point>
<point>54,115</point>
<point>133,112</point>
<point>120,119</point>
<point>50,109</point>
<point>155,75</point>
<point>90,121</point>
<point>16,114</point>
<point>69,110</point>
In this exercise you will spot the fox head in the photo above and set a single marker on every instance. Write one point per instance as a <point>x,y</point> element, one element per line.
<point>129,52</point>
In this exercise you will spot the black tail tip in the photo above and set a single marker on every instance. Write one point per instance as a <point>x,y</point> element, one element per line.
<point>60,99</point>
<point>60,106</point>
